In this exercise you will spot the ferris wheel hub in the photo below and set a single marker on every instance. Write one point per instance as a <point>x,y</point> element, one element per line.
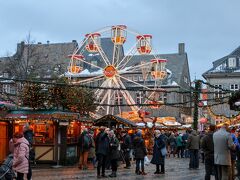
<point>110,71</point>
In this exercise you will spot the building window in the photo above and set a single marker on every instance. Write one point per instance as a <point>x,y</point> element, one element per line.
<point>135,78</point>
<point>118,99</point>
<point>234,87</point>
<point>129,77</point>
<point>140,78</point>
<point>232,62</point>
<point>218,91</point>
<point>94,63</point>
<point>163,97</point>
<point>6,75</point>
<point>139,98</point>
<point>6,88</point>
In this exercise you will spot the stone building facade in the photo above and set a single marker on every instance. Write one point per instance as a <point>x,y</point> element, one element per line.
<point>49,61</point>
<point>224,75</point>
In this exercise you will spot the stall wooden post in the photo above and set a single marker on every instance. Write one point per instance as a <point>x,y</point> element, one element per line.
<point>56,144</point>
<point>63,145</point>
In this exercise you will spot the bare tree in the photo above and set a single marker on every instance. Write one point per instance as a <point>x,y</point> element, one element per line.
<point>24,64</point>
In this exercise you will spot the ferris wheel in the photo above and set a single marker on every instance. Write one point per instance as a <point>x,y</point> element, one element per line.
<point>112,71</point>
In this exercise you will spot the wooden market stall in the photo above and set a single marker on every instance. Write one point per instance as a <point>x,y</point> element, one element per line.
<point>55,133</point>
<point>5,129</point>
<point>116,121</point>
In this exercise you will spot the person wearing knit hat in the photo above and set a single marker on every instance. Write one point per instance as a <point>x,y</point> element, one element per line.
<point>140,152</point>
<point>102,151</point>
<point>113,152</point>
<point>126,147</point>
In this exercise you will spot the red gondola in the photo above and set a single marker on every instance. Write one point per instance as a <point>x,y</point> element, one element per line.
<point>93,42</point>
<point>119,34</point>
<point>144,44</point>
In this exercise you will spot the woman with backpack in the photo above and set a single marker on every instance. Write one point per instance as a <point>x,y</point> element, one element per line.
<point>84,143</point>
<point>140,152</point>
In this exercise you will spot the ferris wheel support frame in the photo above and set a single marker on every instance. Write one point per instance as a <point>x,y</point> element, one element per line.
<point>128,56</point>
<point>115,68</point>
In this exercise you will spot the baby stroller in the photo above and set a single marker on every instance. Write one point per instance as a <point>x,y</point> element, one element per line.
<point>6,172</point>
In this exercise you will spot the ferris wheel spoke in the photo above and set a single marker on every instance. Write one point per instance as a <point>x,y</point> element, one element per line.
<point>109,97</point>
<point>102,53</point>
<point>134,108</point>
<point>134,82</point>
<point>103,99</point>
<point>99,92</point>
<point>89,63</point>
<point>89,80</point>
<point>125,94</point>
<point>135,67</point>
<point>114,50</point>
<point>119,109</point>
<point>127,57</point>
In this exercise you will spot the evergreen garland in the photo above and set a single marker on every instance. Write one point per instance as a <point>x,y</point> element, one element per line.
<point>233,99</point>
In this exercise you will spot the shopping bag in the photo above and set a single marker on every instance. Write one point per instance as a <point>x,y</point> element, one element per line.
<point>146,161</point>
<point>164,151</point>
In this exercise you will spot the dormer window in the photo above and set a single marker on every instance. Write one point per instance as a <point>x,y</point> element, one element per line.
<point>232,62</point>
<point>6,75</point>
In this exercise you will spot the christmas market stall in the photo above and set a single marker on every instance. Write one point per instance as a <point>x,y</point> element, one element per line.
<point>114,121</point>
<point>55,133</point>
<point>5,128</point>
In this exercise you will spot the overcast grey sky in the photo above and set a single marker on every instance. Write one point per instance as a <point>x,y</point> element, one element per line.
<point>210,29</point>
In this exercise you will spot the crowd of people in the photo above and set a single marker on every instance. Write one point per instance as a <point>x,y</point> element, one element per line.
<point>109,147</point>
<point>218,149</point>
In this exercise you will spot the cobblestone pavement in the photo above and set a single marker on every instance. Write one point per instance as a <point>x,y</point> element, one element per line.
<point>176,169</point>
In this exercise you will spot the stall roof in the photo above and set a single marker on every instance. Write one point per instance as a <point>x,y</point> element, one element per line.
<point>42,114</point>
<point>8,105</point>
<point>111,120</point>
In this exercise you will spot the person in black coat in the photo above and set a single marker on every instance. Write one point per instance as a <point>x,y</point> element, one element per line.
<point>208,149</point>
<point>28,134</point>
<point>158,158</point>
<point>84,145</point>
<point>102,150</point>
<point>139,152</point>
<point>113,153</point>
<point>126,147</point>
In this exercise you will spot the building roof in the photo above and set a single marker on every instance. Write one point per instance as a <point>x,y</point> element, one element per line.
<point>111,120</point>
<point>44,58</point>
<point>51,55</point>
<point>175,63</point>
<point>218,62</point>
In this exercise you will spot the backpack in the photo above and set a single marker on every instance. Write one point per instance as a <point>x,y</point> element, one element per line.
<point>86,142</point>
<point>31,154</point>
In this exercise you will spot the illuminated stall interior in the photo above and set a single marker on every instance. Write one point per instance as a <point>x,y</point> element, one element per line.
<point>46,129</point>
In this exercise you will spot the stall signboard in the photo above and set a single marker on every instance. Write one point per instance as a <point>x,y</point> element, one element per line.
<point>66,116</point>
<point>63,123</point>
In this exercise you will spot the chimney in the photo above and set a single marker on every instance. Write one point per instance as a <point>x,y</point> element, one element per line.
<point>181,48</point>
<point>20,47</point>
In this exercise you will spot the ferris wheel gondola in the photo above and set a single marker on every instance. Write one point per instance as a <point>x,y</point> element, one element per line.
<point>112,73</point>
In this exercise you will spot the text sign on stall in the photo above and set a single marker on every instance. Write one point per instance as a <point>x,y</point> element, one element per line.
<point>62,123</point>
<point>67,116</point>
